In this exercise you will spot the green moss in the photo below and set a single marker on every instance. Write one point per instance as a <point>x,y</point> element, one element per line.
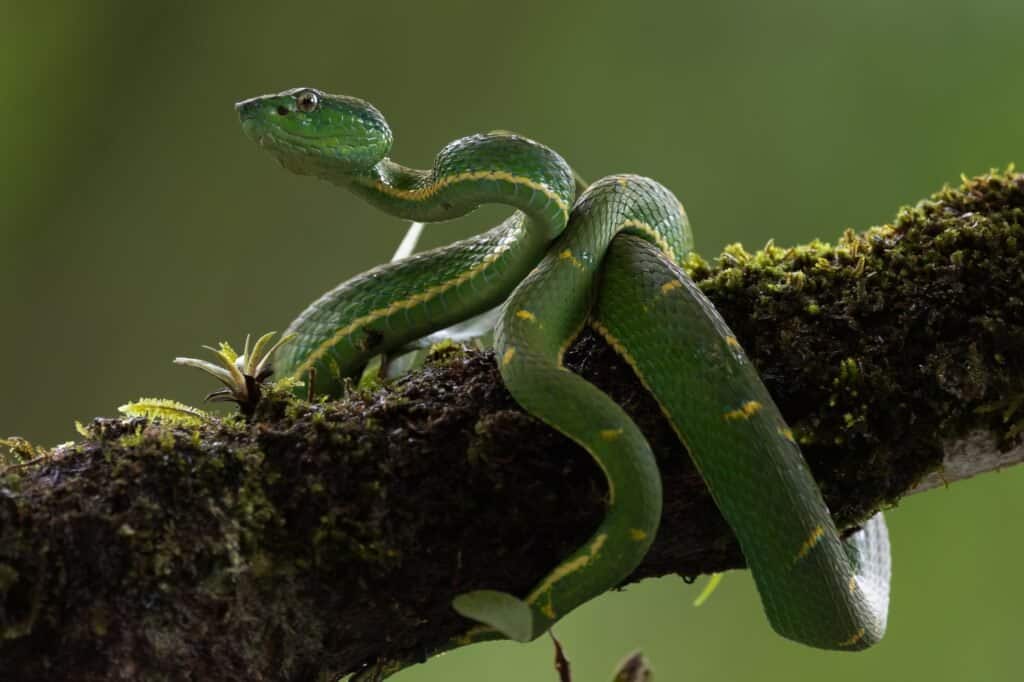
<point>15,452</point>
<point>892,304</point>
<point>8,576</point>
<point>132,440</point>
<point>849,372</point>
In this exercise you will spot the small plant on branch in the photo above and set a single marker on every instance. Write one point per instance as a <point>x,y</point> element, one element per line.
<point>242,374</point>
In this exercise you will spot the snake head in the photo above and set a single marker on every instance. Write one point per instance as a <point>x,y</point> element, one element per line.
<point>315,133</point>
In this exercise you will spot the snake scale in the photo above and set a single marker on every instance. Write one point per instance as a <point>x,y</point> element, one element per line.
<point>609,257</point>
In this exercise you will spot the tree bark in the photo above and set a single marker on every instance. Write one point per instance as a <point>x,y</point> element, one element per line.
<point>316,538</point>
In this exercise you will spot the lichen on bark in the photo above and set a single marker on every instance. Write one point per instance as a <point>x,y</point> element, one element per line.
<point>316,537</point>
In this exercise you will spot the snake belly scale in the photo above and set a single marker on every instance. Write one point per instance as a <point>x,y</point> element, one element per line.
<point>610,258</point>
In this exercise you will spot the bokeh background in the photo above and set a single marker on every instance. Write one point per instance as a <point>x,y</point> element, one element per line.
<point>139,223</point>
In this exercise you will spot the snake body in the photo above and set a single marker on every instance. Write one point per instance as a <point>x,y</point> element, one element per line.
<point>396,303</point>
<point>610,258</point>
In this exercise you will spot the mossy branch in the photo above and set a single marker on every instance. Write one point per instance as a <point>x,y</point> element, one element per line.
<point>317,537</point>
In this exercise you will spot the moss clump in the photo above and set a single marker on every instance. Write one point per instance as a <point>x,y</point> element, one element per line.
<point>915,322</point>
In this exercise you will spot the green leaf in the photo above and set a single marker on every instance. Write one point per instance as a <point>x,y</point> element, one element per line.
<point>222,375</point>
<point>405,363</point>
<point>253,359</point>
<point>371,373</point>
<point>226,351</point>
<point>709,588</point>
<point>169,411</point>
<point>261,361</point>
<point>505,613</point>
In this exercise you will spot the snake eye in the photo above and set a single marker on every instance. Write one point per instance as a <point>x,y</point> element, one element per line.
<point>306,101</point>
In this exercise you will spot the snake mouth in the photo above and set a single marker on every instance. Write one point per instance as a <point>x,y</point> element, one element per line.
<point>301,154</point>
<point>283,142</point>
<point>267,134</point>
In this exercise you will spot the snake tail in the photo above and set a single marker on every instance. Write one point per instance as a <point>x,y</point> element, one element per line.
<point>815,589</point>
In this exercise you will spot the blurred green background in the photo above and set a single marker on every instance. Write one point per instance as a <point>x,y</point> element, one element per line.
<point>138,223</point>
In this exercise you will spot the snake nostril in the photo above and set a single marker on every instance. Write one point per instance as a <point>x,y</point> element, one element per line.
<point>282,111</point>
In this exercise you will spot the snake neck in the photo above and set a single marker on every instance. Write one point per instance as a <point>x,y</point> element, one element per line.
<point>481,169</point>
<point>405,192</point>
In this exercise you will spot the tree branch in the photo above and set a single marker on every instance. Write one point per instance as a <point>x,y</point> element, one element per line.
<point>319,537</point>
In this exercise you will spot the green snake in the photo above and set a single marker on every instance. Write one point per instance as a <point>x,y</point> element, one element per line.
<point>610,258</point>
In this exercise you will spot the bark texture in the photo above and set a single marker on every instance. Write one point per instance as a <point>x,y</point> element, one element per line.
<point>317,537</point>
